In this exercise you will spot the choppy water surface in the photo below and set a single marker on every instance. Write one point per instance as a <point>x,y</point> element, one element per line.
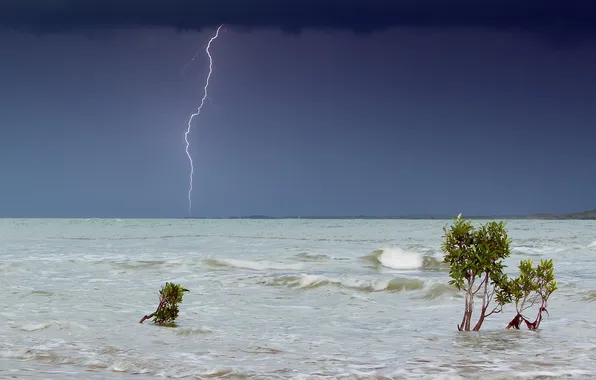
<point>277,299</point>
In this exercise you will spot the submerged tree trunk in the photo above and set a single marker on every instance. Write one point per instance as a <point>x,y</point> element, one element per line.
<point>469,316</point>
<point>536,324</point>
<point>469,308</point>
<point>462,326</point>
<point>484,305</point>
<point>516,322</point>
<point>519,318</point>
<point>480,321</point>
<point>469,299</point>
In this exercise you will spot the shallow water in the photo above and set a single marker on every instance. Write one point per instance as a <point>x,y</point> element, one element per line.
<point>277,299</point>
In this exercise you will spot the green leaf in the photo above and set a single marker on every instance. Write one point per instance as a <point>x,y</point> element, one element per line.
<point>170,295</point>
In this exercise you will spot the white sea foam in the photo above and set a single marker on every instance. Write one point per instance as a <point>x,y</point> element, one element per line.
<point>397,258</point>
<point>401,259</point>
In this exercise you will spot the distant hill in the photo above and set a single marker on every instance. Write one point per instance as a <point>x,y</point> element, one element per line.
<point>584,215</point>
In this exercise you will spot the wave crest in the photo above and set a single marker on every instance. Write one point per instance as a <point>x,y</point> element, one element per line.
<point>439,291</point>
<point>537,251</point>
<point>397,258</point>
<point>194,331</point>
<point>252,265</point>
<point>308,256</point>
<point>311,281</point>
<point>42,325</point>
<point>590,296</point>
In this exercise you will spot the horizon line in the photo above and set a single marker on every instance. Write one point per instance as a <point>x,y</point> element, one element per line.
<point>587,214</point>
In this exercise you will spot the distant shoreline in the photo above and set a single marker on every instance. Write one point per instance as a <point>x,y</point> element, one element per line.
<point>585,215</point>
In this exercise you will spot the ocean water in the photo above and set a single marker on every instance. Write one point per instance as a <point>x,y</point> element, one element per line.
<point>277,299</point>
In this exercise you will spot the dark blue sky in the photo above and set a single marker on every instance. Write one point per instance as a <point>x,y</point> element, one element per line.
<point>400,121</point>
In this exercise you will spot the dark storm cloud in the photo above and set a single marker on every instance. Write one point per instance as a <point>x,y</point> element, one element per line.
<point>563,19</point>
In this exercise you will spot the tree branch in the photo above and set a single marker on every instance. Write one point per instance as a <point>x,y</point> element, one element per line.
<point>496,310</point>
<point>481,283</point>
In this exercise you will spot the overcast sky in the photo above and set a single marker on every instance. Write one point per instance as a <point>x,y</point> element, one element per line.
<point>374,108</point>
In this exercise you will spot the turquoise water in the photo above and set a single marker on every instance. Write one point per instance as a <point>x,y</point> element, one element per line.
<point>277,299</point>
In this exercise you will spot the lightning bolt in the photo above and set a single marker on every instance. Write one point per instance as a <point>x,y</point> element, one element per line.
<point>197,113</point>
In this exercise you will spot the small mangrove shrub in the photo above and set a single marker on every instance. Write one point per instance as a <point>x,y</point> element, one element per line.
<point>475,257</point>
<point>170,296</point>
<point>533,287</point>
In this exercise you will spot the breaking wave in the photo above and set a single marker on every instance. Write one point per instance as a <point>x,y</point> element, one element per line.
<point>12,268</point>
<point>139,264</point>
<point>308,256</point>
<point>397,258</point>
<point>439,291</point>
<point>194,331</point>
<point>43,325</point>
<point>590,296</point>
<point>311,281</point>
<point>537,251</point>
<point>252,265</point>
<point>592,245</point>
<point>112,359</point>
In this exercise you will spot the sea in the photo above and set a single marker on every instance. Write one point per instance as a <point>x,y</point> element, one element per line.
<point>278,299</point>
